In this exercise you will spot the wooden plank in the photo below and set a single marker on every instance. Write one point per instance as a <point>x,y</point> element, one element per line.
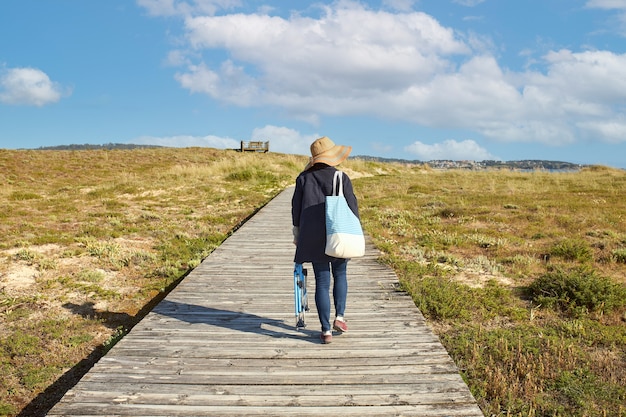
<point>259,378</point>
<point>94,391</point>
<point>277,352</point>
<point>78,409</point>
<point>129,362</point>
<point>304,398</point>
<point>223,343</point>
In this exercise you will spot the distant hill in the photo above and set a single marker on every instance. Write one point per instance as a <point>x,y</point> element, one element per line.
<point>108,146</point>
<point>437,164</point>
<point>529,164</point>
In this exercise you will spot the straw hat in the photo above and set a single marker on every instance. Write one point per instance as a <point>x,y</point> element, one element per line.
<point>325,151</point>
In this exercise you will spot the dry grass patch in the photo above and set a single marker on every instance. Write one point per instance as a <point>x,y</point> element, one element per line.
<point>88,238</point>
<point>521,274</point>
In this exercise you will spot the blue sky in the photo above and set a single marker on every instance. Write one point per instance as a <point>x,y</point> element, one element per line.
<point>428,79</point>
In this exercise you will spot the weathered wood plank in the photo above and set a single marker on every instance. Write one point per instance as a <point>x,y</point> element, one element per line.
<point>133,362</point>
<point>78,409</point>
<point>223,343</point>
<point>277,352</point>
<point>94,391</point>
<point>259,378</point>
<point>305,398</point>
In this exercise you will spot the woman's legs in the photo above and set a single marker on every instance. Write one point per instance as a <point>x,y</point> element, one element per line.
<point>322,296</point>
<point>322,289</point>
<point>340,285</point>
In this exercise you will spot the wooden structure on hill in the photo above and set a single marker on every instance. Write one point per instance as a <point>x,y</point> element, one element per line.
<point>255,146</point>
<point>224,343</point>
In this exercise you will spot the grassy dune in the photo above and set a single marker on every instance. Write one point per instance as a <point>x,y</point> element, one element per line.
<point>88,238</point>
<point>521,274</point>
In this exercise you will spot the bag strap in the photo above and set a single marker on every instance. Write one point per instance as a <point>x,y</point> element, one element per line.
<point>338,180</point>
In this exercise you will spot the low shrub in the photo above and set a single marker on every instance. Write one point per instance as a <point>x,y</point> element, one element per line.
<point>573,250</point>
<point>619,255</point>
<point>577,290</point>
<point>441,298</point>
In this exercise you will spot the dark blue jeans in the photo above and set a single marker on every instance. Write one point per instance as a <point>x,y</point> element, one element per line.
<point>322,289</point>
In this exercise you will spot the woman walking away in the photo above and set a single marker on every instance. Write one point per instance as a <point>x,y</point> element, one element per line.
<point>309,229</point>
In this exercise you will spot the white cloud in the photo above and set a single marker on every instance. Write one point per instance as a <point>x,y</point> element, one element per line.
<point>404,66</point>
<point>614,132</point>
<point>607,4</point>
<point>587,77</point>
<point>450,150</point>
<point>284,139</point>
<point>177,58</point>
<point>337,64</point>
<point>478,92</point>
<point>618,24</point>
<point>579,93</point>
<point>28,86</point>
<point>230,83</point>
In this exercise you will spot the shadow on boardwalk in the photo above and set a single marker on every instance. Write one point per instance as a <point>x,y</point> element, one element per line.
<point>232,320</point>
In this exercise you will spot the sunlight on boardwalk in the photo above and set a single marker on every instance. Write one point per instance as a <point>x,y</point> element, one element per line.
<point>223,343</point>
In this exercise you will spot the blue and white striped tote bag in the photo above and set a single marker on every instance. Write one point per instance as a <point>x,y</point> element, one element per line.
<point>344,235</point>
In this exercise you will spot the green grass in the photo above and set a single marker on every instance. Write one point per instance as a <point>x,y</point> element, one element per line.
<point>522,276</point>
<point>104,232</point>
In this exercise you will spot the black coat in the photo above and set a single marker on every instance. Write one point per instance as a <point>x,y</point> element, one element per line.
<point>308,210</point>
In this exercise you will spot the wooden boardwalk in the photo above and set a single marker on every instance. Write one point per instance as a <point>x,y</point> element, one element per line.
<point>223,343</point>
